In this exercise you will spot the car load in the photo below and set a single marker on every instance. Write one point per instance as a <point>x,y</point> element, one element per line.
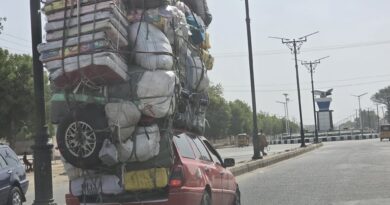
<point>124,74</point>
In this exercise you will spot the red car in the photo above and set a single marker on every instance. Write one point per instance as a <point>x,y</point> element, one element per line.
<point>198,177</point>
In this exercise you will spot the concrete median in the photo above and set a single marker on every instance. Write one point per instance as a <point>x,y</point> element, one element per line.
<point>270,160</point>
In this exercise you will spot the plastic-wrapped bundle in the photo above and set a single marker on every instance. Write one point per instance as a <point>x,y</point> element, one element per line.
<point>108,153</point>
<point>152,48</point>
<point>156,93</point>
<point>201,8</point>
<point>124,116</point>
<point>169,19</point>
<point>196,75</point>
<point>74,172</point>
<point>144,145</point>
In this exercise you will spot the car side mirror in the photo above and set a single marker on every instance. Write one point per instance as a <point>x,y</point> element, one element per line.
<point>229,162</point>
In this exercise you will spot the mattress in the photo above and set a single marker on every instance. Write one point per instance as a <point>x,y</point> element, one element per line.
<point>53,6</point>
<point>87,18</point>
<point>101,69</point>
<point>74,41</point>
<point>112,27</point>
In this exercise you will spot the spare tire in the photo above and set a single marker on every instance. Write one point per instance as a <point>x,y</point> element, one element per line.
<point>81,134</point>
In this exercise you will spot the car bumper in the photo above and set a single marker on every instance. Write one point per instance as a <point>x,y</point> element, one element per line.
<point>187,196</point>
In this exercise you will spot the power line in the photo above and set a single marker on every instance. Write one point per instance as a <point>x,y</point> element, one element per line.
<point>307,89</point>
<point>321,82</point>
<point>16,37</point>
<point>320,48</point>
<point>15,43</point>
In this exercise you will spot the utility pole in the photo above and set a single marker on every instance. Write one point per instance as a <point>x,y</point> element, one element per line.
<point>255,138</point>
<point>369,118</point>
<point>360,111</point>
<point>295,46</point>
<point>287,117</point>
<point>311,66</point>
<point>285,114</point>
<point>43,150</point>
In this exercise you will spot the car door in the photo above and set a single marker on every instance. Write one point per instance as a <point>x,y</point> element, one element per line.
<point>228,182</point>
<point>213,172</point>
<point>4,179</point>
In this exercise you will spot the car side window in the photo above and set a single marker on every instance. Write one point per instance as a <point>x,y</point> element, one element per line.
<point>10,157</point>
<point>3,163</point>
<point>204,154</point>
<point>183,146</point>
<point>214,154</point>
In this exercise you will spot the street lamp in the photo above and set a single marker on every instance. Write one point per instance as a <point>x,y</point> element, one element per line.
<point>42,148</point>
<point>256,145</point>
<point>285,113</point>
<point>287,117</point>
<point>360,111</point>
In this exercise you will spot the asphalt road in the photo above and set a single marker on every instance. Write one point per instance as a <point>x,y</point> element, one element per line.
<point>241,154</point>
<point>339,173</point>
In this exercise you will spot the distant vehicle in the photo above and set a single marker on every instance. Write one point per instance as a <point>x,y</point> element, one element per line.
<point>13,180</point>
<point>384,132</point>
<point>242,140</point>
<point>198,177</point>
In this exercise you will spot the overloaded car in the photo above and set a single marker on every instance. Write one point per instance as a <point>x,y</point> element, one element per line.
<point>13,180</point>
<point>198,176</point>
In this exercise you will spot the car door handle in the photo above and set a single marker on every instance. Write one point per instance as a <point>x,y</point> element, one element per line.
<point>9,171</point>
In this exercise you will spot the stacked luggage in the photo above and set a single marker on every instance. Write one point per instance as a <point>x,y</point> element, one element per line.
<point>124,75</point>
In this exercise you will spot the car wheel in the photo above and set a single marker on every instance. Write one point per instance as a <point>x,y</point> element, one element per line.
<point>237,198</point>
<point>206,199</point>
<point>80,136</point>
<point>15,197</point>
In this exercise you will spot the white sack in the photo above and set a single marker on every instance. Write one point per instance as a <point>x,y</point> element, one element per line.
<point>147,145</point>
<point>94,185</point>
<point>125,116</point>
<point>108,154</point>
<point>156,93</point>
<point>153,50</point>
<point>196,74</point>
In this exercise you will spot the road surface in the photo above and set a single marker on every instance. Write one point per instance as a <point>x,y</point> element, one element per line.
<point>339,173</point>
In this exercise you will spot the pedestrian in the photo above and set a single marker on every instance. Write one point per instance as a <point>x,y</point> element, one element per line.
<point>27,163</point>
<point>263,142</point>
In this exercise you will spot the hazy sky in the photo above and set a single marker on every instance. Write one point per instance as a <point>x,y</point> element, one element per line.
<point>354,33</point>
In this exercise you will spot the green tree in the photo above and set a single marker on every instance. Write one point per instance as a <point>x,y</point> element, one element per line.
<point>218,114</point>
<point>383,97</point>
<point>16,91</point>
<point>241,120</point>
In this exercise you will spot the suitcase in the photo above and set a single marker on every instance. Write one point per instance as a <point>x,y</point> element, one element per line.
<point>145,180</point>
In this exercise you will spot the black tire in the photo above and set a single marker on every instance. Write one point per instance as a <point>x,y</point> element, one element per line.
<point>237,198</point>
<point>15,196</point>
<point>91,121</point>
<point>206,199</point>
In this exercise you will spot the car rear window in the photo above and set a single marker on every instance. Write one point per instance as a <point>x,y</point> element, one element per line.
<point>385,128</point>
<point>183,146</point>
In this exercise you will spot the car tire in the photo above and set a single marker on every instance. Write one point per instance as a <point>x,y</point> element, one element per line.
<point>15,196</point>
<point>237,198</point>
<point>206,199</point>
<point>82,150</point>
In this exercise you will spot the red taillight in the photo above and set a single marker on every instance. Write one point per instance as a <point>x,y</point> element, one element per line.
<point>71,200</point>
<point>177,177</point>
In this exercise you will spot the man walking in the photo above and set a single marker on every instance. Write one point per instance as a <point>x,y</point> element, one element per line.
<point>263,142</point>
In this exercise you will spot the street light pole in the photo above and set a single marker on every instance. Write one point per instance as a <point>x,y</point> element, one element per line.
<point>295,45</point>
<point>288,119</point>
<point>360,112</point>
<point>255,138</point>
<point>285,113</point>
<point>42,148</point>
